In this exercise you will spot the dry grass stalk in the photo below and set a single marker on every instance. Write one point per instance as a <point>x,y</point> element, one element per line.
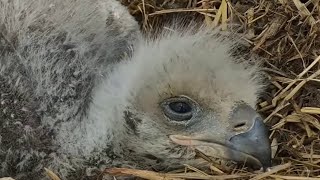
<point>51,174</point>
<point>191,175</point>
<point>272,171</point>
<point>165,176</point>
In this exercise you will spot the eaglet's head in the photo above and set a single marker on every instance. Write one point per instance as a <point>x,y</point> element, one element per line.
<point>177,94</point>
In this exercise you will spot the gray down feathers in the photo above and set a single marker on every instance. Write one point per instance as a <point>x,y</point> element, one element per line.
<point>52,52</point>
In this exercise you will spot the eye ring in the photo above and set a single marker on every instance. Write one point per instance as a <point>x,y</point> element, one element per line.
<point>179,108</point>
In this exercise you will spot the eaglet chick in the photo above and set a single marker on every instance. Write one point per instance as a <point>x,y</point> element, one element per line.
<point>103,95</point>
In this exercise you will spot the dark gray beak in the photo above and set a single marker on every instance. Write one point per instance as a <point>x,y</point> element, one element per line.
<point>254,142</point>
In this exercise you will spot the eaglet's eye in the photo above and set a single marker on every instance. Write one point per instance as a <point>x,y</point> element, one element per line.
<point>178,108</point>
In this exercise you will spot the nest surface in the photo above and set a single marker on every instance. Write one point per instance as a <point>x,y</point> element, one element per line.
<point>286,33</point>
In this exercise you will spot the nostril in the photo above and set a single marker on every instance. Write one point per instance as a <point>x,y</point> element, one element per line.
<point>239,126</point>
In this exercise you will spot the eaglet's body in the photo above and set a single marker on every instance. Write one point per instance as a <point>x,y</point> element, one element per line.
<point>102,95</point>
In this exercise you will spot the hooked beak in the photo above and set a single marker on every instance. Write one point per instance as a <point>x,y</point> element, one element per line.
<point>255,142</point>
<point>252,147</point>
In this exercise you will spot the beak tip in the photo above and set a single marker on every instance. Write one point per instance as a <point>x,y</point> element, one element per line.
<point>255,142</point>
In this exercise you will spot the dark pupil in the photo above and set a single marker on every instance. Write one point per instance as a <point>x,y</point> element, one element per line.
<point>180,107</point>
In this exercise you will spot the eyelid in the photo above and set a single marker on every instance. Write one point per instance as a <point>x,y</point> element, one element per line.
<point>178,117</point>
